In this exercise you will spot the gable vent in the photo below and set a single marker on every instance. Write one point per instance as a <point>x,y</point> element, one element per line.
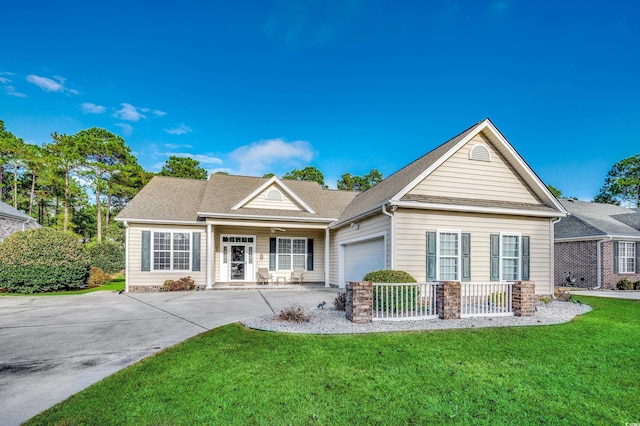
<point>274,195</point>
<point>480,153</point>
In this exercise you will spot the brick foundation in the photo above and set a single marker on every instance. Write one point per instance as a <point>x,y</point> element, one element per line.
<point>524,298</point>
<point>359,307</point>
<point>448,300</point>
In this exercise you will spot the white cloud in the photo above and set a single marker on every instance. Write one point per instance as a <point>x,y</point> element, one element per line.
<point>91,108</point>
<point>159,113</point>
<point>56,84</point>
<point>177,145</point>
<point>9,89</point>
<point>127,129</point>
<point>128,112</point>
<point>180,130</point>
<point>260,157</point>
<point>201,158</point>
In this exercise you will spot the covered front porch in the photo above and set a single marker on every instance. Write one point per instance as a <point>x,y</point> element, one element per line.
<point>258,254</point>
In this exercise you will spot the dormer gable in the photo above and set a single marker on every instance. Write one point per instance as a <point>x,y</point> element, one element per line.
<point>274,194</point>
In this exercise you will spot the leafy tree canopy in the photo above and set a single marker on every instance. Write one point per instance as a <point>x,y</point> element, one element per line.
<point>183,167</point>
<point>309,173</point>
<point>359,183</point>
<point>622,183</point>
<point>268,175</point>
<point>555,191</point>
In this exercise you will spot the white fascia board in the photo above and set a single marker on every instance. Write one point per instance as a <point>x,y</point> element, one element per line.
<point>279,183</point>
<point>598,237</point>
<point>523,165</point>
<point>358,216</point>
<point>438,163</point>
<point>265,217</point>
<point>160,222</point>
<point>476,209</point>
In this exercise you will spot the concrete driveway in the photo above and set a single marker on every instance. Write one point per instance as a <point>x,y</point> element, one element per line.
<point>53,347</point>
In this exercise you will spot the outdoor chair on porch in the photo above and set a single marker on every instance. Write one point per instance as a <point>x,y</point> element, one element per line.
<point>297,276</point>
<point>263,276</point>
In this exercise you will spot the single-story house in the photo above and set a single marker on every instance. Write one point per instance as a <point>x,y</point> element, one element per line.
<point>469,210</point>
<point>596,245</point>
<point>12,220</point>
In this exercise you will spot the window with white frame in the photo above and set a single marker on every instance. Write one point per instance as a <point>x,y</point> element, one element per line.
<point>171,251</point>
<point>448,255</point>
<point>626,257</point>
<point>510,257</point>
<point>291,253</point>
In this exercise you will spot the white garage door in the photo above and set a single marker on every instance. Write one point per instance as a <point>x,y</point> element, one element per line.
<point>362,258</point>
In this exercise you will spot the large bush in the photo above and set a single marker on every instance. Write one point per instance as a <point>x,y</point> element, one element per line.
<point>390,298</point>
<point>40,260</point>
<point>108,256</point>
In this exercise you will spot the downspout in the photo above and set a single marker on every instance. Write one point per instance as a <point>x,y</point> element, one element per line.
<point>385,212</point>
<point>553,255</point>
<point>599,260</point>
<point>327,264</point>
<point>209,258</point>
<point>126,256</point>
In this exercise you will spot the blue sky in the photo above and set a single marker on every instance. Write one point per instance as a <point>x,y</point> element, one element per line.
<point>252,87</point>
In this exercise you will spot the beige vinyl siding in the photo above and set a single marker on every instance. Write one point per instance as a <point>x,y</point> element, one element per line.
<point>262,248</point>
<point>411,227</point>
<point>373,225</point>
<point>461,177</point>
<point>138,277</point>
<point>260,201</point>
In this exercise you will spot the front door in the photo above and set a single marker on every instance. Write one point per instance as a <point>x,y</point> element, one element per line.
<point>238,263</point>
<point>237,258</point>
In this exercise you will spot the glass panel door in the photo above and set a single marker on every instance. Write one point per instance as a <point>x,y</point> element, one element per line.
<point>237,263</point>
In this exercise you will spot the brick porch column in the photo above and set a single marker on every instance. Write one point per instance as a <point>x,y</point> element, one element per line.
<point>359,308</point>
<point>448,300</point>
<point>524,298</point>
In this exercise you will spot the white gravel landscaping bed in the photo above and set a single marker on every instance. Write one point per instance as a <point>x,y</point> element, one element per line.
<point>331,321</point>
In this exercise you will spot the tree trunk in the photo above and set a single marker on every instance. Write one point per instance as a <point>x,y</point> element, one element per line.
<point>33,192</point>
<point>65,223</point>
<point>15,185</point>
<point>106,223</point>
<point>99,214</point>
<point>1,182</point>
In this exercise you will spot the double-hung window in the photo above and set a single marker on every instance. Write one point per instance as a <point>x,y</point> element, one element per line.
<point>449,256</point>
<point>171,251</point>
<point>291,253</point>
<point>510,257</point>
<point>626,257</point>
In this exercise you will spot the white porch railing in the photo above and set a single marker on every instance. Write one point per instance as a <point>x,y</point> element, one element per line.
<point>401,302</point>
<point>485,299</point>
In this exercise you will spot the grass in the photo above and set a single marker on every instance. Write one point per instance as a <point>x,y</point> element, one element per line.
<point>115,284</point>
<point>582,372</point>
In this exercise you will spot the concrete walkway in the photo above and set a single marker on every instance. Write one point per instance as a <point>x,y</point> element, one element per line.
<point>614,294</point>
<point>53,347</point>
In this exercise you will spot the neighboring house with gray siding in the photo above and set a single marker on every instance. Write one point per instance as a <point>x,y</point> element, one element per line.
<point>597,245</point>
<point>469,210</point>
<point>12,220</point>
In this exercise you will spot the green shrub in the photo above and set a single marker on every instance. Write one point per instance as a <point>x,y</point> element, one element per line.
<point>624,284</point>
<point>108,256</point>
<point>498,299</point>
<point>390,298</point>
<point>183,284</point>
<point>389,276</point>
<point>636,285</point>
<point>97,277</point>
<point>340,302</point>
<point>41,260</point>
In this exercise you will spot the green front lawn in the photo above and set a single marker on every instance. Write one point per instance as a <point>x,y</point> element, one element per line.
<point>115,284</point>
<point>583,372</point>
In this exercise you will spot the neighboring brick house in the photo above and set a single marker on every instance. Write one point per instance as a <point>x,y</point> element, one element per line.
<point>597,244</point>
<point>12,220</point>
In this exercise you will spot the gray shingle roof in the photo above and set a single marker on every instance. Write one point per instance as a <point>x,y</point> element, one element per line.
<point>478,203</point>
<point>598,220</point>
<point>8,211</point>
<point>175,199</point>
<point>392,185</point>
